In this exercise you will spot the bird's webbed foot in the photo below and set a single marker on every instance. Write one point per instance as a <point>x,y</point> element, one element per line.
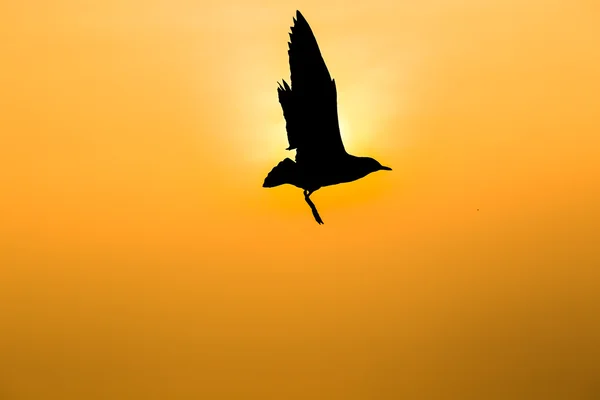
<point>312,207</point>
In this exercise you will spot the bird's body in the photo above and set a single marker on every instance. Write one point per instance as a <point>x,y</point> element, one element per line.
<point>310,110</point>
<point>313,176</point>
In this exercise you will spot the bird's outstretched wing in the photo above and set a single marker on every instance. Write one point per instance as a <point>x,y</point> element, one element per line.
<point>310,104</point>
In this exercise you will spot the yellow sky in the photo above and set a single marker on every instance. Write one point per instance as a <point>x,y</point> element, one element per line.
<point>141,258</point>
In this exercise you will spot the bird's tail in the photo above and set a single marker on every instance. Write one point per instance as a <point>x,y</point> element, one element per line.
<point>282,173</point>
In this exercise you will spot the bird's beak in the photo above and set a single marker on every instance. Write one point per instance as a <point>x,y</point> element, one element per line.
<point>386,168</point>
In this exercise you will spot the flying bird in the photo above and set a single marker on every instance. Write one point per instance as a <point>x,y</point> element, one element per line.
<point>309,107</point>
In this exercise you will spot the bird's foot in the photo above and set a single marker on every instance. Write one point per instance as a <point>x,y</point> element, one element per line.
<point>317,217</point>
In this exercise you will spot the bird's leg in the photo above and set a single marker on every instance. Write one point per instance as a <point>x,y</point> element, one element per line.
<point>312,206</point>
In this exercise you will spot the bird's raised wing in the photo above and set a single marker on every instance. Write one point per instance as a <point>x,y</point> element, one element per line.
<point>310,105</point>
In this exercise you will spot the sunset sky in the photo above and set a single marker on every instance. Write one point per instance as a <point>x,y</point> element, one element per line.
<point>140,258</point>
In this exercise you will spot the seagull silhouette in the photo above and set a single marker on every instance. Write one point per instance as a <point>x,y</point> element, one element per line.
<point>310,111</point>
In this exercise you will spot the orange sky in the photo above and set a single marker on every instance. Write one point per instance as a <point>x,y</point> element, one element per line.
<point>141,258</point>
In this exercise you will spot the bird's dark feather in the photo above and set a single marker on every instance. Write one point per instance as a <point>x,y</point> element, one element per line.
<point>310,104</point>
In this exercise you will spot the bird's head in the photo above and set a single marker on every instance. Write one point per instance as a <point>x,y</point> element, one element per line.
<point>369,165</point>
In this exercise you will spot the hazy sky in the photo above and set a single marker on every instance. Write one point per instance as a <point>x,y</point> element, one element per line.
<point>141,258</point>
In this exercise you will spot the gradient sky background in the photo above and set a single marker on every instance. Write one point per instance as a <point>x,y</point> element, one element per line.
<point>141,258</point>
